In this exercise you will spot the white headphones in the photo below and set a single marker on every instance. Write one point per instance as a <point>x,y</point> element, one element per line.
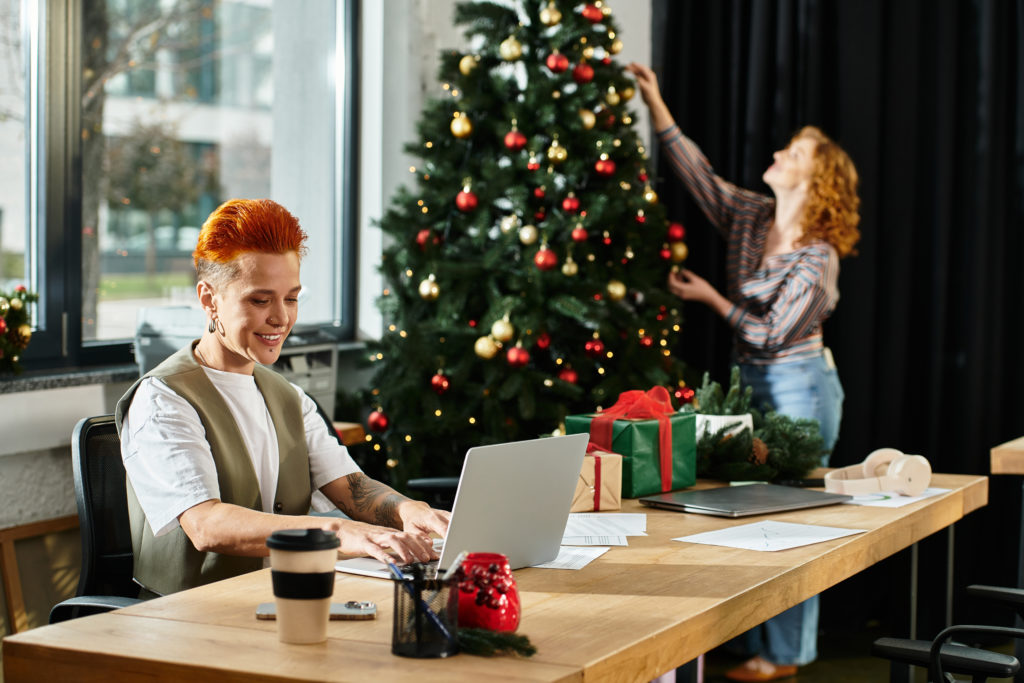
<point>886,469</point>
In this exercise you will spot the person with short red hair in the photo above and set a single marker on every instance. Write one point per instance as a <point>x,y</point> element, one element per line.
<point>221,451</point>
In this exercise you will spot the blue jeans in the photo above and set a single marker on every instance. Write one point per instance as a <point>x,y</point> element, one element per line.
<point>808,388</point>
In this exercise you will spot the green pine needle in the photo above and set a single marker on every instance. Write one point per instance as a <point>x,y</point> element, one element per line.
<point>485,643</point>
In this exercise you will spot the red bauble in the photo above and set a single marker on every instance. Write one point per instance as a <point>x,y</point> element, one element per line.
<point>557,62</point>
<point>607,60</point>
<point>676,232</point>
<point>426,236</point>
<point>545,258</point>
<point>3,326</point>
<point>592,13</point>
<point>532,164</point>
<point>571,204</point>
<point>543,341</point>
<point>604,167</point>
<point>515,140</point>
<point>568,375</point>
<point>583,73</point>
<point>594,348</point>
<point>665,254</point>
<point>608,119</point>
<point>642,176</point>
<point>684,394</point>
<point>517,356</point>
<point>640,218</point>
<point>540,214</point>
<point>439,383</point>
<point>377,421</point>
<point>579,234</point>
<point>539,192</point>
<point>646,342</point>
<point>466,201</point>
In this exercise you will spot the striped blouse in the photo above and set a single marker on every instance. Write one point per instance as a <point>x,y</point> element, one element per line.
<point>777,311</point>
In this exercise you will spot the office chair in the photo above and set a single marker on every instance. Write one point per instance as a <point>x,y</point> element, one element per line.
<point>106,581</point>
<point>944,659</point>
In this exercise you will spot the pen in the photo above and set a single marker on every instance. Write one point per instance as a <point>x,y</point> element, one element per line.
<point>434,619</point>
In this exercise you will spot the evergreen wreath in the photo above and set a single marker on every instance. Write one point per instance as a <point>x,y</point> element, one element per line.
<point>780,447</point>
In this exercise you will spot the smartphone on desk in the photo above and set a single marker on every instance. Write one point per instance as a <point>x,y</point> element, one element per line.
<point>351,610</point>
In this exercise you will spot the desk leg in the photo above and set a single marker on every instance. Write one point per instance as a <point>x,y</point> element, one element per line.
<point>1018,647</point>
<point>903,673</point>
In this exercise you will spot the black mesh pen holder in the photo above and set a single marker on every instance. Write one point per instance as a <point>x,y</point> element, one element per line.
<point>426,618</point>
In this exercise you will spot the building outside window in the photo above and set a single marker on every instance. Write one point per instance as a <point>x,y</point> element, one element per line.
<point>173,106</point>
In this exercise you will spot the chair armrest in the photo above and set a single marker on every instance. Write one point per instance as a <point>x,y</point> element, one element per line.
<point>1011,597</point>
<point>83,605</point>
<point>958,659</point>
<point>936,661</point>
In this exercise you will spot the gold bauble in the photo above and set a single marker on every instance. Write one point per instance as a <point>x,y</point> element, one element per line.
<point>627,93</point>
<point>588,118</point>
<point>510,49</point>
<point>528,234</point>
<point>588,52</point>
<point>509,223</point>
<point>485,347</point>
<point>16,304</point>
<point>502,330</point>
<point>557,153</point>
<point>616,290</point>
<point>3,306</point>
<point>679,251</point>
<point>549,16</point>
<point>569,268</point>
<point>612,97</point>
<point>467,64</point>
<point>429,289</point>
<point>650,196</point>
<point>25,332</point>
<point>461,126</point>
<point>616,47</point>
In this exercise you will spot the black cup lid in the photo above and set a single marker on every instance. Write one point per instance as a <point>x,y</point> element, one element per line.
<point>303,539</point>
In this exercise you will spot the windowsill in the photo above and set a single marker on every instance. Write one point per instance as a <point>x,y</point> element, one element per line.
<point>36,380</point>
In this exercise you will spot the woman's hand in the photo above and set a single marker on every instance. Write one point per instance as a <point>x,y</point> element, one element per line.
<point>360,538</point>
<point>647,82</point>
<point>418,517</point>
<point>689,286</point>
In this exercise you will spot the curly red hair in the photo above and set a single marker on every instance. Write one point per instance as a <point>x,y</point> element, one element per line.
<point>832,211</point>
<point>243,225</point>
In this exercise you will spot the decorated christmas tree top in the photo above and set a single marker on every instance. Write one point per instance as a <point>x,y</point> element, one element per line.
<point>526,277</point>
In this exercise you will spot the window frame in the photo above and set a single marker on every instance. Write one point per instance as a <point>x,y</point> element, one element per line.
<point>54,194</point>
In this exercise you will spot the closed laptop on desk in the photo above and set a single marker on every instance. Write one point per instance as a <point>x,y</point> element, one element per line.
<point>742,501</point>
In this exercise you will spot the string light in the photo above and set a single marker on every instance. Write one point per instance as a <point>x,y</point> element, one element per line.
<point>472,420</point>
<point>437,413</point>
<point>408,438</point>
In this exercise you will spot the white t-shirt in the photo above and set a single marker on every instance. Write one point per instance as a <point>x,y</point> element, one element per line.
<point>171,466</point>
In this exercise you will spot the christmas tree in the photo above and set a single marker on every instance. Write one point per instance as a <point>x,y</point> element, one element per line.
<point>526,276</point>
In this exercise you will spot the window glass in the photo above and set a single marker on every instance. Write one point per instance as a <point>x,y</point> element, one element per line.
<point>13,148</point>
<point>188,103</point>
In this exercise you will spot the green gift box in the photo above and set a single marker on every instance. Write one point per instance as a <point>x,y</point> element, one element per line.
<point>637,440</point>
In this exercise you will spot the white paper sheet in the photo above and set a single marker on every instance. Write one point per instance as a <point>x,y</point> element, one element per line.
<point>891,499</point>
<point>594,540</point>
<point>769,535</point>
<point>573,558</point>
<point>606,524</point>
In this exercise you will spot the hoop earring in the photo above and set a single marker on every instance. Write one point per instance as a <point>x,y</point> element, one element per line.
<point>212,327</point>
<point>219,326</point>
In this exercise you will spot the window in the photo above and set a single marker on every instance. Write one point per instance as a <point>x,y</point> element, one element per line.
<point>167,108</point>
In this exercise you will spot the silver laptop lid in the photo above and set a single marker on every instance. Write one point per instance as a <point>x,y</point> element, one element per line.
<point>514,499</point>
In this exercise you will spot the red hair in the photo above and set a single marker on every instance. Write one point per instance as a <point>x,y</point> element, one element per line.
<point>832,211</point>
<point>242,225</point>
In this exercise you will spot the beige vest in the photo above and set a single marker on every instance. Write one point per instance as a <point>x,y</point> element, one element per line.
<point>171,563</point>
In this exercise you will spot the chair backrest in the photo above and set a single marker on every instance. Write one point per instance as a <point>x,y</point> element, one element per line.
<point>102,509</point>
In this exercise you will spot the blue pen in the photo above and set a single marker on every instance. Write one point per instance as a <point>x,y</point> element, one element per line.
<point>434,619</point>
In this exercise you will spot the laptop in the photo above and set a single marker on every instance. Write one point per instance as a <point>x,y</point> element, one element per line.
<point>741,501</point>
<point>513,498</point>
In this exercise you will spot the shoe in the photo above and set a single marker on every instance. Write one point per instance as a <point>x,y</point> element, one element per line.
<point>760,669</point>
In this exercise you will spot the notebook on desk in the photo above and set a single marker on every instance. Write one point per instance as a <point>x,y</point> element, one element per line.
<point>513,498</point>
<point>742,501</point>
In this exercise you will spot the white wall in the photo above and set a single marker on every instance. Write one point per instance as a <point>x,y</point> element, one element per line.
<point>401,41</point>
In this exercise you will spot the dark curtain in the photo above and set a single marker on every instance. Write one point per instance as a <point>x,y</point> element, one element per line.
<point>926,96</point>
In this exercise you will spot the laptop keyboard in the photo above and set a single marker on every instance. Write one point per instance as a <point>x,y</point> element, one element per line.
<point>429,569</point>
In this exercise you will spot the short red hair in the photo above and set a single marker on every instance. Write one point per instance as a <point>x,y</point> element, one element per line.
<point>243,225</point>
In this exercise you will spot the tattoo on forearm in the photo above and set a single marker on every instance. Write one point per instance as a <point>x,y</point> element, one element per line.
<point>373,502</point>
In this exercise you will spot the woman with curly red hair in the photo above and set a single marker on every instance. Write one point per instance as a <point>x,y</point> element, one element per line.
<point>782,272</point>
<point>220,451</point>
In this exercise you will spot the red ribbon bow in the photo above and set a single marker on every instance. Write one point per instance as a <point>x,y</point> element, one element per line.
<point>640,405</point>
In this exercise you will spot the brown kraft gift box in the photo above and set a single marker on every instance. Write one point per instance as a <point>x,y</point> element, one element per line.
<point>599,487</point>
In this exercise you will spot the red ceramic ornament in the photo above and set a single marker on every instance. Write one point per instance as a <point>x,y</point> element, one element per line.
<point>543,341</point>
<point>594,348</point>
<point>466,201</point>
<point>571,204</point>
<point>439,383</point>
<point>488,596</point>
<point>539,192</point>
<point>579,234</point>
<point>676,232</point>
<point>517,356</point>
<point>515,140</point>
<point>377,421</point>
<point>604,167</point>
<point>592,13</point>
<point>665,253</point>
<point>642,176</point>
<point>426,236</point>
<point>533,164</point>
<point>557,62</point>
<point>583,73</point>
<point>545,258</point>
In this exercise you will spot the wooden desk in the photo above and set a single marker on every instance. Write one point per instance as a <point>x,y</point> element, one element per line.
<point>1008,458</point>
<point>633,614</point>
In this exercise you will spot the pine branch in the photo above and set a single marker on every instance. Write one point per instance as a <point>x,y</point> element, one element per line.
<point>485,643</point>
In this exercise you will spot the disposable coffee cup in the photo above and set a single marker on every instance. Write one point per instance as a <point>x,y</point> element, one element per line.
<point>302,569</point>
